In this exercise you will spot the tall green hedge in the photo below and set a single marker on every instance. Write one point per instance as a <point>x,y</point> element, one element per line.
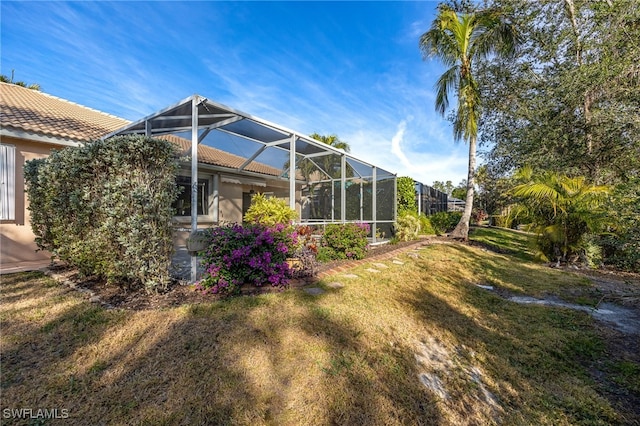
<point>407,202</point>
<point>105,207</point>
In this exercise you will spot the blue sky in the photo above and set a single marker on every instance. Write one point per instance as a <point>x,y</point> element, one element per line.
<point>347,68</point>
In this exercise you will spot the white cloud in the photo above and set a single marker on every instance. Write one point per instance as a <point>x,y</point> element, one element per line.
<point>396,147</point>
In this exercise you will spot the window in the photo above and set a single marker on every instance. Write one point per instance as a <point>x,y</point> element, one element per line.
<point>182,205</point>
<point>7,182</point>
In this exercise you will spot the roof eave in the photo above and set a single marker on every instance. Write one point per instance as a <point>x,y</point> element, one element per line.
<point>39,137</point>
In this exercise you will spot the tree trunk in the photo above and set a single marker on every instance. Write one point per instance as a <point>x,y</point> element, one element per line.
<point>462,229</point>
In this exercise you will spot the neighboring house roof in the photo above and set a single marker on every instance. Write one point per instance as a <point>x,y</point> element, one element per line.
<point>31,114</point>
<point>217,157</point>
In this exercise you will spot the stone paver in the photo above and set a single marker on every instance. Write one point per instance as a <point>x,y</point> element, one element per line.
<point>351,276</point>
<point>397,262</point>
<point>380,265</point>
<point>383,256</point>
<point>373,271</point>
<point>314,291</point>
<point>335,284</point>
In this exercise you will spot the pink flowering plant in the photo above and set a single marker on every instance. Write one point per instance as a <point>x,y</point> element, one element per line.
<point>344,241</point>
<point>251,254</point>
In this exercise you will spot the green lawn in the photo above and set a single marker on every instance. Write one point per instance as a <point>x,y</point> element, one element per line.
<point>358,354</point>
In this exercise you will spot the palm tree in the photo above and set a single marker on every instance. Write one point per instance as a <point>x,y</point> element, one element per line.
<point>332,140</point>
<point>329,163</point>
<point>6,79</point>
<point>458,40</point>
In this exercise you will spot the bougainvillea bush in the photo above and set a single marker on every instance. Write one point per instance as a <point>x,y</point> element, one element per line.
<point>251,254</point>
<point>344,241</point>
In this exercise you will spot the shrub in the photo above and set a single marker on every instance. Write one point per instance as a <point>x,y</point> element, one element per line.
<point>621,244</point>
<point>406,196</point>
<point>444,222</point>
<point>407,228</point>
<point>425,225</point>
<point>344,241</point>
<point>105,208</point>
<point>306,253</point>
<point>252,254</point>
<point>269,211</point>
<point>561,210</point>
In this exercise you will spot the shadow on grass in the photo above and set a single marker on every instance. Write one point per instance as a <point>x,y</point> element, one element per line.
<point>534,358</point>
<point>270,359</point>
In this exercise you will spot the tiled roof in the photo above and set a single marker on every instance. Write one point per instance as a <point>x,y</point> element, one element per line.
<point>32,111</point>
<point>217,157</point>
<point>38,113</point>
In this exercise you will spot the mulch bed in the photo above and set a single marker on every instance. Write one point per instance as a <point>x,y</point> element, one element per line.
<point>113,296</point>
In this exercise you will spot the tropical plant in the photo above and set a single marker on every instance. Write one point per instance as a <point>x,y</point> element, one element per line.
<point>458,40</point>
<point>407,227</point>
<point>269,211</point>
<point>252,254</point>
<point>561,210</point>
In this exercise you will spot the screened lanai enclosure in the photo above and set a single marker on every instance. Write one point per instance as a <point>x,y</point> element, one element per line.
<point>234,155</point>
<point>430,200</point>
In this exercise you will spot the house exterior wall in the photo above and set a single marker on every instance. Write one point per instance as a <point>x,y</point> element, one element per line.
<point>17,241</point>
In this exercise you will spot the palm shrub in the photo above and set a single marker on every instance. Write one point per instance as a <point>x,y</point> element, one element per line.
<point>561,210</point>
<point>105,208</point>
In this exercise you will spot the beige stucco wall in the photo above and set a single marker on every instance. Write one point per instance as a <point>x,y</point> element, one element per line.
<point>17,241</point>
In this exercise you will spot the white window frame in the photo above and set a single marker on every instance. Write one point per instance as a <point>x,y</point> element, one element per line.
<point>7,182</point>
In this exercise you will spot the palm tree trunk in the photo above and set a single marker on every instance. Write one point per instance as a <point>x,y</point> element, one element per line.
<point>462,229</point>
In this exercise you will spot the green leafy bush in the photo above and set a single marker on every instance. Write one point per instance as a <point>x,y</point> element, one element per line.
<point>621,244</point>
<point>344,241</point>
<point>406,196</point>
<point>269,211</point>
<point>407,227</point>
<point>443,222</point>
<point>105,208</point>
<point>425,225</point>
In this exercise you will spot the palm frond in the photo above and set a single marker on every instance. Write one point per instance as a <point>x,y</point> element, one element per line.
<point>446,83</point>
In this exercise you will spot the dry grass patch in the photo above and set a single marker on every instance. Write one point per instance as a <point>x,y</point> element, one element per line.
<point>417,343</point>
